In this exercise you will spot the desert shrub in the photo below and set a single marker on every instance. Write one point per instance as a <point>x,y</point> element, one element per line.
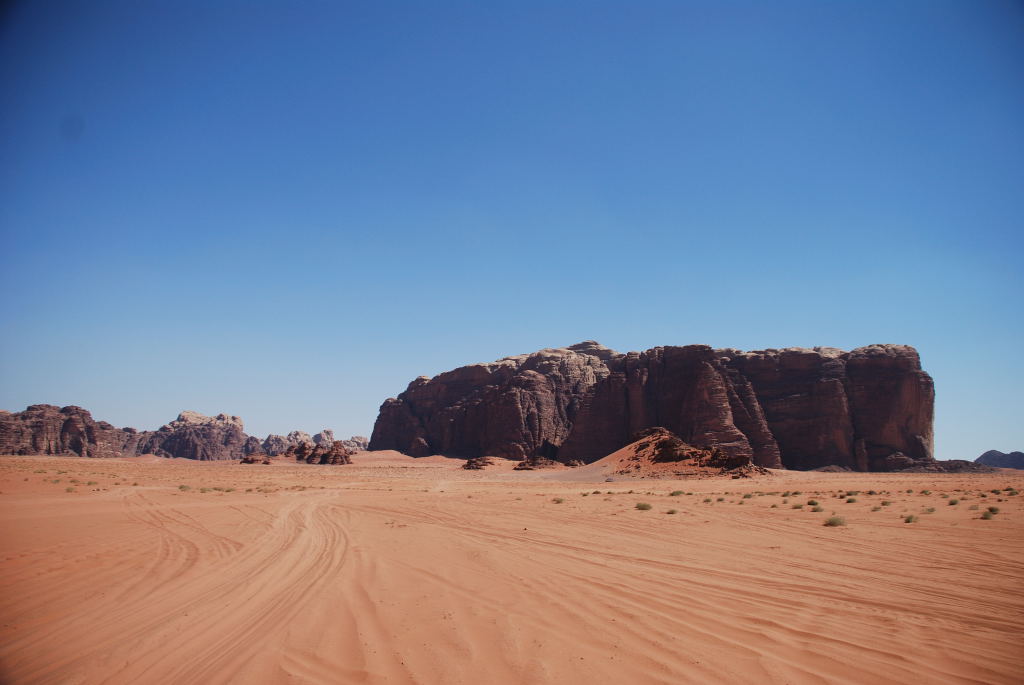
<point>774,506</point>
<point>876,508</point>
<point>747,496</point>
<point>833,521</point>
<point>69,489</point>
<point>643,506</point>
<point>851,500</point>
<point>92,482</point>
<point>993,510</point>
<point>797,506</point>
<point>817,509</point>
<point>986,515</point>
<point>930,510</point>
<point>720,499</point>
<point>184,488</point>
<point>973,507</point>
<point>787,493</point>
<point>558,500</point>
<point>204,489</point>
<point>852,493</point>
<point>953,501</point>
<point>675,493</point>
<point>585,494</point>
<point>596,492</point>
<point>707,500</point>
<point>812,502</point>
<point>795,493</point>
<point>910,519</point>
<point>886,502</point>
<point>872,492</point>
<point>671,511</point>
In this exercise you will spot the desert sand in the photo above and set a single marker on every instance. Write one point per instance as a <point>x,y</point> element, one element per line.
<point>394,570</point>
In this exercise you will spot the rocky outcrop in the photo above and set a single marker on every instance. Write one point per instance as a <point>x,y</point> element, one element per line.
<point>357,443</point>
<point>312,453</point>
<point>1002,460</point>
<point>195,436</point>
<point>869,409</point>
<point>277,444</point>
<point>657,452</point>
<point>71,430</point>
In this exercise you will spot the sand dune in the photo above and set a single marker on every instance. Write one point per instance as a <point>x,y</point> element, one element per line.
<point>394,571</point>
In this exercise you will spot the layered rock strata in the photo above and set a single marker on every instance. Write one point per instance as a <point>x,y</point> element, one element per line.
<point>71,430</point>
<point>869,409</point>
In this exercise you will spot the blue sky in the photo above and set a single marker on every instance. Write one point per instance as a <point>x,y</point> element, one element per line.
<point>289,210</point>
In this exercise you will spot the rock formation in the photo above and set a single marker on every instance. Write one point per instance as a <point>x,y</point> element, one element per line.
<point>657,452</point>
<point>312,453</point>
<point>277,444</point>
<point>1002,460</point>
<point>869,409</point>
<point>195,436</point>
<point>47,429</point>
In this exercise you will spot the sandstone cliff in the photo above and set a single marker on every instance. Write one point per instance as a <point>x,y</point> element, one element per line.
<point>195,436</point>
<point>869,409</point>
<point>47,429</point>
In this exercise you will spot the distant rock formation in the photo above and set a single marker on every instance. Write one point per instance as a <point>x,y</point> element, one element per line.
<point>1002,460</point>
<point>868,410</point>
<point>275,444</point>
<point>312,453</point>
<point>195,436</point>
<point>47,429</point>
<point>358,443</point>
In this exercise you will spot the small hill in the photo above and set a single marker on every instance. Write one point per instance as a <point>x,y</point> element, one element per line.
<point>1002,460</point>
<point>659,453</point>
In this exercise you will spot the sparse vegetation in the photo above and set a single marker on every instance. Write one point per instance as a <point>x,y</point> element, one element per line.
<point>993,510</point>
<point>675,493</point>
<point>558,500</point>
<point>910,518</point>
<point>833,521</point>
<point>953,501</point>
<point>851,500</point>
<point>987,515</point>
<point>812,502</point>
<point>184,488</point>
<point>817,509</point>
<point>643,506</point>
<point>671,511</point>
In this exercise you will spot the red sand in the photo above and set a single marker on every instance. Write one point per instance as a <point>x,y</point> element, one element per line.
<point>394,570</point>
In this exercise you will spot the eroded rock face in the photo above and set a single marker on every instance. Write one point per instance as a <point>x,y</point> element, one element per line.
<point>195,436</point>
<point>869,409</point>
<point>71,430</point>
<point>312,453</point>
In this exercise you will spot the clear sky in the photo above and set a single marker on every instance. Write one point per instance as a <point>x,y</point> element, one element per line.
<point>289,210</point>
